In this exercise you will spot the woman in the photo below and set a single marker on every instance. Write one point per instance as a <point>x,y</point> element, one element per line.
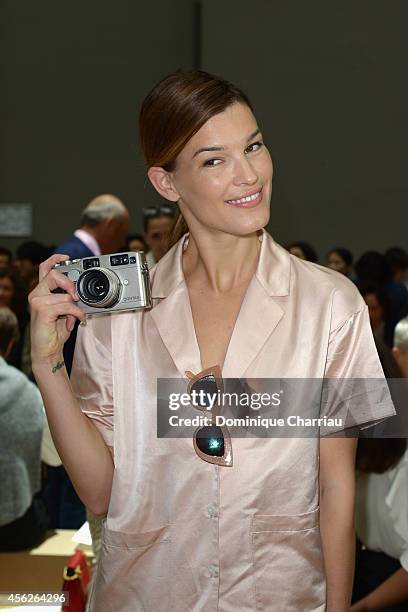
<point>341,260</point>
<point>381,580</point>
<point>303,250</point>
<point>182,532</point>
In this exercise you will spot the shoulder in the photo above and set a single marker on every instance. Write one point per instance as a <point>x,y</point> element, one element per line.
<point>74,248</point>
<point>342,294</point>
<point>16,388</point>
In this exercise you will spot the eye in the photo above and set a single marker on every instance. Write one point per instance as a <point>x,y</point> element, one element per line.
<point>255,146</point>
<point>210,163</point>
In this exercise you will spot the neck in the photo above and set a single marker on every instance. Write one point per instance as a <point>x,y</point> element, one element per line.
<point>219,261</point>
<point>92,231</point>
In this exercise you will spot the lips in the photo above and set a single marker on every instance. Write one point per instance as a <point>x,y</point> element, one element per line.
<point>247,201</point>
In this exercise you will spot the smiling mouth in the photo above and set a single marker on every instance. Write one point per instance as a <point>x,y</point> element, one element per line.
<point>253,197</point>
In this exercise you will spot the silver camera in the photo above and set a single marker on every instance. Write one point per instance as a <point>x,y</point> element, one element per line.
<point>109,283</point>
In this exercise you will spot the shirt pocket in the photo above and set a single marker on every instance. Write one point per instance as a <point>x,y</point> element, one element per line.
<point>288,562</point>
<point>135,572</point>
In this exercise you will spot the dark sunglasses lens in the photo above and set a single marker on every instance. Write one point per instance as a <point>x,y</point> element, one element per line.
<point>210,441</point>
<point>205,388</point>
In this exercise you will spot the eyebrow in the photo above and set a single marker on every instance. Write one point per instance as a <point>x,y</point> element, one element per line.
<point>204,149</point>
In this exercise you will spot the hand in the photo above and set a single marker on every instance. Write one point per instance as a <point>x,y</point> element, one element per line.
<point>49,331</point>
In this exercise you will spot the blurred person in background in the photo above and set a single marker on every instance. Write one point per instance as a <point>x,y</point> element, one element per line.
<point>303,250</point>
<point>378,305</point>
<point>29,255</point>
<point>400,348</point>
<point>135,242</point>
<point>23,516</point>
<point>6,257</point>
<point>341,260</point>
<point>104,227</point>
<point>103,230</point>
<point>158,224</point>
<point>381,573</point>
<point>375,268</point>
<point>381,576</point>
<point>397,259</point>
<point>14,295</point>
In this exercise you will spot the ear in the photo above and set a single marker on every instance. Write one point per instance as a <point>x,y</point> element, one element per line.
<point>163,183</point>
<point>9,348</point>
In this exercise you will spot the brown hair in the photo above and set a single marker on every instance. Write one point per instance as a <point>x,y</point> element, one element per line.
<point>174,110</point>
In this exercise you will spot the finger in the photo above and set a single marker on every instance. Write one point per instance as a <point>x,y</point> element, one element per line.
<point>50,299</point>
<point>49,263</point>
<point>55,280</point>
<point>61,310</point>
<point>70,323</point>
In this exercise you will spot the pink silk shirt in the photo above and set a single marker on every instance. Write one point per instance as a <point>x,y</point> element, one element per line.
<point>181,534</point>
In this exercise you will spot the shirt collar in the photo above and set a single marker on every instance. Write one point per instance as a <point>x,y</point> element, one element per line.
<point>88,240</point>
<point>273,270</point>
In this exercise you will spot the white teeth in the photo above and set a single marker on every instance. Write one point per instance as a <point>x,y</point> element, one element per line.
<point>247,199</point>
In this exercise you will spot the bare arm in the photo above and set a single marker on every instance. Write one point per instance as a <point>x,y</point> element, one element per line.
<point>391,592</point>
<point>337,490</point>
<point>81,447</point>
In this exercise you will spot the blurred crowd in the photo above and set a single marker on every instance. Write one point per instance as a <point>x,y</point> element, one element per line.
<point>37,494</point>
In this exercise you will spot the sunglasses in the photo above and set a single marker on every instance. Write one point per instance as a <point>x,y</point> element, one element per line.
<point>211,443</point>
<point>155,211</point>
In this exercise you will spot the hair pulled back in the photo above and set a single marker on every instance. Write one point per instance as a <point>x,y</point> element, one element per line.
<point>174,110</point>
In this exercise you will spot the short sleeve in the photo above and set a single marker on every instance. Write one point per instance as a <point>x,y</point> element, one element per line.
<point>91,375</point>
<point>355,390</point>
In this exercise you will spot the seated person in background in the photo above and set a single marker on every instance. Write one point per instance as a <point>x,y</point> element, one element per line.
<point>374,268</point>
<point>397,259</point>
<point>29,255</point>
<point>6,257</point>
<point>378,306</point>
<point>381,578</point>
<point>135,242</point>
<point>400,348</point>
<point>158,223</point>
<point>23,517</point>
<point>341,260</point>
<point>381,575</point>
<point>13,295</point>
<point>303,250</point>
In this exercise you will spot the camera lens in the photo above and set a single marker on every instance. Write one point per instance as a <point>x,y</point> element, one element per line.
<point>99,288</point>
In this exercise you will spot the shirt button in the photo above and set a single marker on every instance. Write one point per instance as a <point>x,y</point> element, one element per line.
<point>213,571</point>
<point>212,511</point>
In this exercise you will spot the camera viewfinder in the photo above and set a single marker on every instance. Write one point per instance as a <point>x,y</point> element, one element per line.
<point>91,263</point>
<point>119,260</point>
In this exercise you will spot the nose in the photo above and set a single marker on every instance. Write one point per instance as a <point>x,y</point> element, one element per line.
<point>244,172</point>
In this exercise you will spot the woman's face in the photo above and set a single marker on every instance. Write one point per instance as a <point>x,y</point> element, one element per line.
<point>223,175</point>
<point>295,250</point>
<point>335,262</point>
<point>6,291</point>
<point>375,310</point>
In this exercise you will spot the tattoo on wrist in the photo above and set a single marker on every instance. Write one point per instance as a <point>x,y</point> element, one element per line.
<point>58,366</point>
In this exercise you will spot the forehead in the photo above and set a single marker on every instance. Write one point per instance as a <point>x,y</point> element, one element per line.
<point>160,223</point>
<point>232,126</point>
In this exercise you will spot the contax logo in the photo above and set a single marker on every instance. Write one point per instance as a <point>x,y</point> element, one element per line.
<point>131,298</point>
